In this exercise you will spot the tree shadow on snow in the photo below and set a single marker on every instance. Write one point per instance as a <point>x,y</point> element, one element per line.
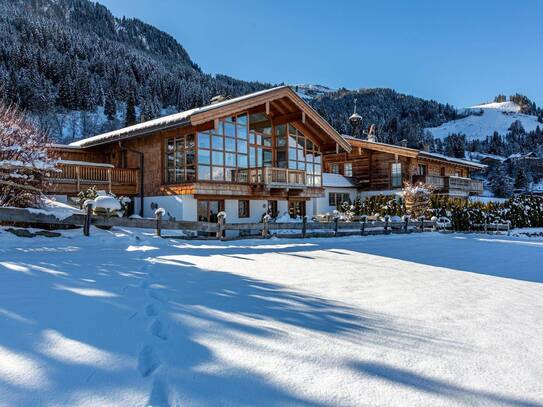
<point>408,379</point>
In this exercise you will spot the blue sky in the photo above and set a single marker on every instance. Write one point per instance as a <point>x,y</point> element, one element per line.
<point>461,52</point>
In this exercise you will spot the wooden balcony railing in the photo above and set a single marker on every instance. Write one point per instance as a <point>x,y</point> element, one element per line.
<point>453,185</point>
<point>79,177</point>
<point>272,177</point>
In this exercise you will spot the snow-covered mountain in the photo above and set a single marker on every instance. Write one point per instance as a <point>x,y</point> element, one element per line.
<point>485,119</point>
<point>310,91</point>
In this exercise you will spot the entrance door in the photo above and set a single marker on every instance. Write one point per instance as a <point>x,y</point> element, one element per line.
<point>209,209</point>
<point>296,208</point>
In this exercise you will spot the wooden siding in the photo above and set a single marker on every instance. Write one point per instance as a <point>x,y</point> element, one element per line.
<point>372,169</point>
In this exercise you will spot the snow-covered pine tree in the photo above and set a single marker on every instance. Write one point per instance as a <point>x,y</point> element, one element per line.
<point>24,160</point>
<point>130,117</point>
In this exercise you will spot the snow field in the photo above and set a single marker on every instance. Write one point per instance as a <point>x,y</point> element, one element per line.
<point>125,318</point>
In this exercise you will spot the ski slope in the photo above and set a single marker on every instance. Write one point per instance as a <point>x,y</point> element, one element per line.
<point>127,319</point>
<point>496,117</point>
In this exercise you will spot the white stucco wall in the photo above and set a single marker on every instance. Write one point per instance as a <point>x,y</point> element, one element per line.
<point>322,203</point>
<point>181,207</point>
<point>256,209</point>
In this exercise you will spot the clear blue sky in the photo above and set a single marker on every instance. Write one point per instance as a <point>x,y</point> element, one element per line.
<point>456,51</point>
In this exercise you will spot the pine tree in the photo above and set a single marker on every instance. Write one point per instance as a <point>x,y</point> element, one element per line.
<point>110,106</point>
<point>130,117</point>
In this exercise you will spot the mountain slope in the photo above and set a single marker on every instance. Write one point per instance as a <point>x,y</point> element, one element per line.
<point>485,119</point>
<point>72,61</point>
<point>396,116</point>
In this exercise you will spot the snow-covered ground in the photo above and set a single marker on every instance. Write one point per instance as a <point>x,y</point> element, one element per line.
<point>126,319</point>
<point>496,117</point>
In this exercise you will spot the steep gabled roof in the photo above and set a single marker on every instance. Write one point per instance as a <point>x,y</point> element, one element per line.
<point>210,112</point>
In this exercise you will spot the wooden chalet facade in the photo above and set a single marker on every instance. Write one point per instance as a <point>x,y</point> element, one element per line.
<point>377,168</point>
<point>246,156</point>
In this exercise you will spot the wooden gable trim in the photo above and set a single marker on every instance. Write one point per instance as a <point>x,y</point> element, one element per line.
<point>385,148</point>
<point>266,100</point>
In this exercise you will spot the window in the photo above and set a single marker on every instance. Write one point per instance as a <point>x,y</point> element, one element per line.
<point>396,175</point>
<point>223,151</point>
<point>334,168</point>
<point>272,209</point>
<point>348,169</point>
<point>301,152</point>
<point>243,209</point>
<point>207,211</point>
<point>422,169</point>
<point>180,159</point>
<point>296,208</point>
<point>335,199</point>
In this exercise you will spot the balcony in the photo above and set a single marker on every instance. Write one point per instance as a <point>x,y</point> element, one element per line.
<point>74,177</point>
<point>453,185</point>
<point>273,177</point>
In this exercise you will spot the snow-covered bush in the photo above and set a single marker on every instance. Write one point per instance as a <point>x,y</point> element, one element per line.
<point>24,161</point>
<point>417,199</point>
<point>83,196</point>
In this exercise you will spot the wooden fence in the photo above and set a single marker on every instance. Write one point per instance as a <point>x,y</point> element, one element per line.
<point>220,230</point>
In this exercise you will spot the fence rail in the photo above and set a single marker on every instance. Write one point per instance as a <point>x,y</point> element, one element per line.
<point>220,230</point>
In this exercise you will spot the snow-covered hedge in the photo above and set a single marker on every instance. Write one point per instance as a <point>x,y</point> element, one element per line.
<point>520,211</point>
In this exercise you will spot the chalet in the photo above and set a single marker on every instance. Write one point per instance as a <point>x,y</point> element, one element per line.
<point>246,156</point>
<point>379,168</point>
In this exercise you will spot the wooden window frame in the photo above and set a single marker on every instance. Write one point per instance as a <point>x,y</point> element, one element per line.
<point>345,166</point>
<point>391,172</point>
<point>185,168</point>
<point>245,213</point>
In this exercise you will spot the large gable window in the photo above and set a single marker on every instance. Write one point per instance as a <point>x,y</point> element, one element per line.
<point>180,159</point>
<point>224,150</point>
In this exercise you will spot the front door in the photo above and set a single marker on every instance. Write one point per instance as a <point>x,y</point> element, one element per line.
<point>296,208</point>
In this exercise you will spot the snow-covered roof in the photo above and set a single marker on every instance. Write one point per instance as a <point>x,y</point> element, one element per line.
<point>474,155</point>
<point>337,181</point>
<point>173,120</point>
<point>452,159</point>
<point>422,153</point>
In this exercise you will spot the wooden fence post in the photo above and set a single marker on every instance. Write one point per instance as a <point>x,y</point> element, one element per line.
<point>421,220</point>
<point>265,229</point>
<point>363,227</point>
<point>336,219</point>
<point>88,216</point>
<point>387,218</point>
<point>406,225</point>
<point>158,216</point>
<point>221,221</point>
<point>304,226</point>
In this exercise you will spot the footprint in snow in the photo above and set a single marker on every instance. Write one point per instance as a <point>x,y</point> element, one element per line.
<point>148,361</point>
<point>158,329</point>
<point>157,295</point>
<point>159,394</point>
<point>151,310</point>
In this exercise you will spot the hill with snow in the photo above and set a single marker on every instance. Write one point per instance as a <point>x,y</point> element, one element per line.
<point>311,91</point>
<point>485,119</point>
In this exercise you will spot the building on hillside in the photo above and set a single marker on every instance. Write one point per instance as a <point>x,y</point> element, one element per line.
<point>246,156</point>
<point>378,168</point>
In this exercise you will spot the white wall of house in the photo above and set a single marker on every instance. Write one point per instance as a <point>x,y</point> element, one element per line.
<point>181,207</point>
<point>322,204</point>
<point>256,209</point>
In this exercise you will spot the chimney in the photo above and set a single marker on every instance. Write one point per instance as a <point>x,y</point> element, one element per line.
<point>426,147</point>
<point>403,142</point>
